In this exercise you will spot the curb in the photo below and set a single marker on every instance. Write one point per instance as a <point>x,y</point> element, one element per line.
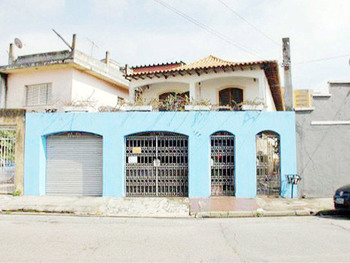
<point>32,210</point>
<point>212,214</point>
<point>257,213</point>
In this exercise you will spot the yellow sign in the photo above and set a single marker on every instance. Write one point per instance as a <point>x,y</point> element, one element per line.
<point>136,150</point>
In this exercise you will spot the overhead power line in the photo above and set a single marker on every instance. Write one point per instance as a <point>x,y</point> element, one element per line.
<point>249,23</point>
<point>208,29</point>
<point>321,59</point>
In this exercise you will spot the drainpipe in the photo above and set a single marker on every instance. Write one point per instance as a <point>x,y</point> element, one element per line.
<point>3,90</point>
<point>288,93</point>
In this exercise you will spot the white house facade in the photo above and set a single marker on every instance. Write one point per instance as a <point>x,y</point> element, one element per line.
<point>212,80</point>
<point>51,81</point>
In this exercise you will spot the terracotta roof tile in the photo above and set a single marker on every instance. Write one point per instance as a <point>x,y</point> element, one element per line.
<point>209,61</point>
<point>205,63</point>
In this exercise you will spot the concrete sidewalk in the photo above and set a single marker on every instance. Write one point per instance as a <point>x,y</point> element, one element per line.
<point>260,206</point>
<point>164,207</point>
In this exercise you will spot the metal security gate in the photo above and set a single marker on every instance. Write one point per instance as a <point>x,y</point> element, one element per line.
<point>268,172</point>
<point>222,164</point>
<point>74,164</point>
<point>7,159</point>
<point>157,164</point>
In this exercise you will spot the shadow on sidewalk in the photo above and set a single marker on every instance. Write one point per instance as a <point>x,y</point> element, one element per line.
<point>334,214</point>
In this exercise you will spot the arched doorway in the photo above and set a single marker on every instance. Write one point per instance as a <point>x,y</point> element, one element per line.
<point>268,172</point>
<point>74,164</point>
<point>230,97</point>
<point>157,164</point>
<point>222,164</point>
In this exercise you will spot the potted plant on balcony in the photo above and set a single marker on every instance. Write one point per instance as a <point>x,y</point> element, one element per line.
<point>79,106</point>
<point>199,105</point>
<point>173,102</point>
<point>255,105</point>
<point>139,105</point>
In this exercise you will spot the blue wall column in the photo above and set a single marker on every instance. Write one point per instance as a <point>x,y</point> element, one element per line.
<point>199,166</point>
<point>245,165</point>
<point>111,167</point>
<point>42,165</point>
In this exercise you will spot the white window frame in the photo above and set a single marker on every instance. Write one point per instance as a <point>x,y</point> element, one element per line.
<point>42,97</point>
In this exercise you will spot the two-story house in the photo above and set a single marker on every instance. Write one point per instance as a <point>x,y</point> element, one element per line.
<point>50,81</point>
<point>222,149</point>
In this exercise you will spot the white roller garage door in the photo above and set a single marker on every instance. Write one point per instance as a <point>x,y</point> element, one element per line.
<point>74,164</point>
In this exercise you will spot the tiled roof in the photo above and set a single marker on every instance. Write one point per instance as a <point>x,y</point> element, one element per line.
<point>209,61</point>
<point>157,67</point>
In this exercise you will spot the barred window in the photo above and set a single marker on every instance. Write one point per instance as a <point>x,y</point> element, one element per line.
<point>39,94</point>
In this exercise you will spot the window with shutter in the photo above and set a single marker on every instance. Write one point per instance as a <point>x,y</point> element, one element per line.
<point>39,94</point>
<point>230,97</point>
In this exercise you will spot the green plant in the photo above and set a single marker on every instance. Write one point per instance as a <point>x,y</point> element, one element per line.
<point>174,102</point>
<point>17,193</point>
<point>154,103</point>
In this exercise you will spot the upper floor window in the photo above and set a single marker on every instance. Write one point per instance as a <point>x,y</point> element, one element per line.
<point>38,94</point>
<point>230,97</point>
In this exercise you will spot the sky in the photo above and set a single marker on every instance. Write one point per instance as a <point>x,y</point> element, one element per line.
<point>139,32</point>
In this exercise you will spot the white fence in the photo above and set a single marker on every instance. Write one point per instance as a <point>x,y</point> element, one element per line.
<point>7,161</point>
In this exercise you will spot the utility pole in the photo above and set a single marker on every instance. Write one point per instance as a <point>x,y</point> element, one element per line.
<point>288,87</point>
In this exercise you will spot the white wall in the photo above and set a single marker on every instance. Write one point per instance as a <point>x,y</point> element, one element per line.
<point>269,99</point>
<point>61,80</point>
<point>253,82</point>
<point>159,88</point>
<point>68,84</point>
<point>210,88</point>
<point>99,91</point>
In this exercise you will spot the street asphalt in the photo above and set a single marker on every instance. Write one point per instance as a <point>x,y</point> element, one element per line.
<point>64,238</point>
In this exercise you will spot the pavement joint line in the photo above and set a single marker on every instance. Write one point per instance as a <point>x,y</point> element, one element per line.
<point>264,213</point>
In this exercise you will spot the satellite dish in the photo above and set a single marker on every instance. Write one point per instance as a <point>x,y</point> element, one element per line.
<point>18,43</point>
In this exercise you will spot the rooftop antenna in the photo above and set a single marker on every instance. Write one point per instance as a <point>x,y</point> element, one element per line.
<point>93,44</point>
<point>70,47</point>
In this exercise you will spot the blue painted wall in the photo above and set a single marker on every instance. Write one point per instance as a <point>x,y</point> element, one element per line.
<point>113,127</point>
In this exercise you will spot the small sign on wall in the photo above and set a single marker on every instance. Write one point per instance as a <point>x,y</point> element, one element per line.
<point>156,163</point>
<point>132,159</point>
<point>136,150</point>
